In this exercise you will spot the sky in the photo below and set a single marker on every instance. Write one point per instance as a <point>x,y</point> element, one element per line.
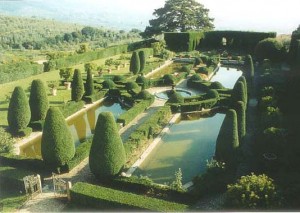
<point>281,16</point>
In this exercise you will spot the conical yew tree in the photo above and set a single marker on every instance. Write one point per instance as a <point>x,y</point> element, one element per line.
<point>77,86</point>
<point>18,115</point>
<point>135,63</point>
<point>89,85</point>
<point>107,154</point>
<point>57,143</point>
<point>38,100</point>
<point>142,58</point>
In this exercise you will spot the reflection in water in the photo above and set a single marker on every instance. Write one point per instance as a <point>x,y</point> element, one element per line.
<point>81,127</point>
<point>227,76</point>
<point>188,146</point>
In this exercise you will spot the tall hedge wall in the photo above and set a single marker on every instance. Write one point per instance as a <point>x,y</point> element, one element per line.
<point>235,39</point>
<point>180,42</point>
<point>228,139</point>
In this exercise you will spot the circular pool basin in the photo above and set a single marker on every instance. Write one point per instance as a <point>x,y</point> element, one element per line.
<point>164,94</point>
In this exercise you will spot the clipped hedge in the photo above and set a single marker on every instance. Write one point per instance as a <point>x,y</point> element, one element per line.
<point>13,176</point>
<point>71,107</point>
<point>146,131</point>
<point>140,185</point>
<point>194,106</point>
<point>242,40</point>
<point>19,70</point>
<point>109,199</point>
<point>82,152</point>
<point>94,97</point>
<point>184,41</point>
<point>228,140</point>
<point>138,108</point>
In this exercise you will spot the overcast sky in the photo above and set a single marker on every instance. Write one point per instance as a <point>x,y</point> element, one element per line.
<point>281,16</point>
<point>262,15</point>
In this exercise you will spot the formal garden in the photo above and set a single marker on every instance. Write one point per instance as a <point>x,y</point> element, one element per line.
<point>158,125</point>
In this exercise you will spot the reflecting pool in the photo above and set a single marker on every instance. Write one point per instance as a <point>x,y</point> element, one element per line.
<point>188,145</point>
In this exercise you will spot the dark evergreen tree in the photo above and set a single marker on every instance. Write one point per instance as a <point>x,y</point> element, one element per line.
<point>89,85</point>
<point>142,58</point>
<point>77,86</point>
<point>179,15</point>
<point>249,68</point>
<point>107,154</point>
<point>38,100</point>
<point>135,63</point>
<point>228,139</point>
<point>57,143</point>
<point>18,115</point>
<point>241,118</point>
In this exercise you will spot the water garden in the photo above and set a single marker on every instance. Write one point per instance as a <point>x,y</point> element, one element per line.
<point>174,125</point>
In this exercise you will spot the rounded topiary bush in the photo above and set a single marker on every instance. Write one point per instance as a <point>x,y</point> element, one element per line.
<point>212,93</point>
<point>216,85</point>
<point>131,85</point>
<point>228,140</point>
<point>185,69</point>
<point>38,100</point>
<point>119,78</point>
<point>18,115</point>
<point>195,77</point>
<point>107,154</point>
<point>269,48</point>
<point>108,84</point>
<point>175,97</point>
<point>77,86</point>
<point>169,79</point>
<point>144,95</point>
<point>135,63</point>
<point>142,58</point>
<point>241,118</point>
<point>89,85</point>
<point>253,192</point>
<point>197,62</point>
<point>142,81</point>
<point>57,144</point>
<point>203,70</point>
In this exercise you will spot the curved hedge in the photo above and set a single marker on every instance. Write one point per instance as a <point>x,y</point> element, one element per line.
<point>89,85</point>
<point>57,146</point>
<point>241,119</point>
<point>144,94</point>
<point>135,63</point>
<point>18,115</point>
<point>238,93</point>
<point>216,85</point>
<point>77,86</point>
<point>228,139</point>
<point>38,100</point>
<point>119,78</point>
<point>107,154</point>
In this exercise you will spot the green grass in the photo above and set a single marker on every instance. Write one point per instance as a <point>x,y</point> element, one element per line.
<point>12,201</point>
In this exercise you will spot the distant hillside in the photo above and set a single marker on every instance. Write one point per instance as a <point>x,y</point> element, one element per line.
<point>43,34</point>
<point>97,14</point>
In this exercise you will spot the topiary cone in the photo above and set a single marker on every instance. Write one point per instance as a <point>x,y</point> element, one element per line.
<point>107,154</point>
<point>57,142</point>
